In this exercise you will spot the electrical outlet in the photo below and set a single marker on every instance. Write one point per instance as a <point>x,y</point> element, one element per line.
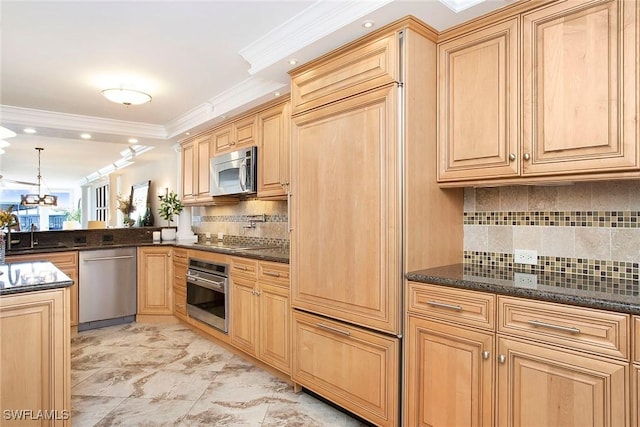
<point>524,256</point>
<point>525,280</point>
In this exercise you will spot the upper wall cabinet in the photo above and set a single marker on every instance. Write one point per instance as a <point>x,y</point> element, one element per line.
<point>372,65</point>
<point>235,135</point>
<point>478,104</point>
<point>273,151</point>
<point>576,97</point>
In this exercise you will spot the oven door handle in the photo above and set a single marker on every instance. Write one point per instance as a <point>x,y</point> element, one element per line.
<point>209,284</point>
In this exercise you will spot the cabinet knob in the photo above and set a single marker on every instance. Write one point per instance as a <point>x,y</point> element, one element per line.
<point>526,156</point>
<point>502,358</point>
<point>485,355</point>
<point>512,157</point>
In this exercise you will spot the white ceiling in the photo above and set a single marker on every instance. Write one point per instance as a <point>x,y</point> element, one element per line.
<point>200,60</point>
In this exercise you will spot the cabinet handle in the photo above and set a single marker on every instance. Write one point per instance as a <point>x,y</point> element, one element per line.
<point>502,358</point>
<point>540,324</point>
<point>512,157</point>
<point>180,305</point>
<point>258,293</point>
<point>271,273</point>
<point>526,156</point>
<point>443,305</point>
<point>180,277</point>
<point>332,329</point>
<point>253,291</point>
<point>485,355</point>
<point>241,267</point>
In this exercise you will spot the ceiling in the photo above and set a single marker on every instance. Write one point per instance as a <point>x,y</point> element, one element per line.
<point>200,60</point>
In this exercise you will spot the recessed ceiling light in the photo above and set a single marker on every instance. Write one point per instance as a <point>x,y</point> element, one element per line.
<point>293,61</point>
<point>187,133</point>
<point>276,93</point>
<point>29,130</point>
<point>368,24</point>
<point>133,141</point>
<point>85,136</point>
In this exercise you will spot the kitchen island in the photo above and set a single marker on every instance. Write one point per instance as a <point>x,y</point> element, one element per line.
<point>35,379</point>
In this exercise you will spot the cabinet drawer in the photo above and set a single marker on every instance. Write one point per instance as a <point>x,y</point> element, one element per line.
<point>273,272</point>
<point>60,259</point>
<point>180,301</point>
<point>353,367</point>
<point>369,66</point>
<point>180,256</point>
<point>584,329</point>
<point>180,276</point>
<point>636,340</point>
<point>456,305</point>
<point>244,267</point>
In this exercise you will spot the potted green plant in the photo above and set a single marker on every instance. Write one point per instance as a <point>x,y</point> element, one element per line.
<point>170,205</point>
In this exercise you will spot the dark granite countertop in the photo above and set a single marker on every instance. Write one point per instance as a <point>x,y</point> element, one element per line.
<point>586,291</point>
<point>262,253</point>
<point>20,277</point>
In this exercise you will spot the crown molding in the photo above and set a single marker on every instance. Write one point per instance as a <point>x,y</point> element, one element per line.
<point>244,94</point>
<point>459,5</point>
<point>315,22</point>
<point>74,122</point>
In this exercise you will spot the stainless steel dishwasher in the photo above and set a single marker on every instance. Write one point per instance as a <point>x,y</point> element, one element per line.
<point>107,287</point>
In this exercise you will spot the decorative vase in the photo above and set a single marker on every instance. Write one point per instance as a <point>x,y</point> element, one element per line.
<point>168,234</point>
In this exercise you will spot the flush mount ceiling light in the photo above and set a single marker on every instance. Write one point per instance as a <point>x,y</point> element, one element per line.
<point>38,199</point>
<point>126,96</point>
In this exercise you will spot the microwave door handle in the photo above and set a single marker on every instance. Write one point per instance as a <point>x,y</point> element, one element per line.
<point>243,175</point>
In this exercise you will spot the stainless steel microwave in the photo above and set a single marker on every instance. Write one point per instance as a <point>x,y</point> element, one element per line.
<point>235,172</point>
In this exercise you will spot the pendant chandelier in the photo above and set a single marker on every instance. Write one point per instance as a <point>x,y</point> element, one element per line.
<point>38,199</point>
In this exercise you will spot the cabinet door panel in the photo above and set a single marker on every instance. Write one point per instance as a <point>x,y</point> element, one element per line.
<point>449,382</point>
<point>273,128</point>
<point>242,327</point>
<point>204,154</point>
<point>580,87</point>
<point>539,385</point>
<point>353,367</point>
<point>155,295</point>
<point>344,162</point>
<point>478,104</point>
<point>274,327</point>
<point>188,172</point>
<point>635,395</point>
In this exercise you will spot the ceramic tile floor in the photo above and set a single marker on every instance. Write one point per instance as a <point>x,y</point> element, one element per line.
<point>167,375</point>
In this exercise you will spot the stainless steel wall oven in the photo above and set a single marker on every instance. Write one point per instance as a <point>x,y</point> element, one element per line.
<point>208,293</point>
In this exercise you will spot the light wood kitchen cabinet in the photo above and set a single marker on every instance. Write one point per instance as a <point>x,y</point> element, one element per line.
<point>478,104</point>
<point>544,385</point>
<point>188,170</point>
<point>180,266</point>
<point>449,369</point>
<point>635,375</point>
<point>355,368</point>
<point>239,133</point>
<point>363,198</point>
<point>366,293</point>
<point>449,375</point>
<point>67,262</point>
<point>35,355</point>
<point>579,87</point>
<point>273,151</point>
<point>155,271</point>
<point>372,64</point>
<point>260,313</point>
<point>573,104</point>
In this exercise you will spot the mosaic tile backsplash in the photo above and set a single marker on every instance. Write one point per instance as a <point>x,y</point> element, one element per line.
<point>233,222</point>
<point>586,228</point>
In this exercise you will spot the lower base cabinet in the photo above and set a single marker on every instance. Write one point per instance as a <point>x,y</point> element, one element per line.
<point>635,395</point>
<point>543,386</point>
<point>355,368</point>
<point>449,377</point>
<point>35,354</point>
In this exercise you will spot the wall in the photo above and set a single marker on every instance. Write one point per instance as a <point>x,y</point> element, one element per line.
<point>161,167</point>
<point>586,227</point>
<point>231,220</point>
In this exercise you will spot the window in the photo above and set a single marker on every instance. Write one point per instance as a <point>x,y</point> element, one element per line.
<point>102,203</point>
